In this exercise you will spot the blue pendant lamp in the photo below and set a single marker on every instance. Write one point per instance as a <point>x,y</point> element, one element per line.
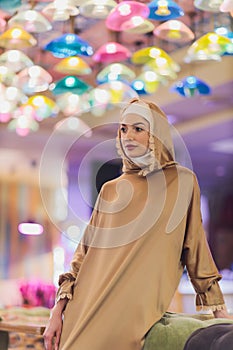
<point>10,5</point>
<point>163,10</point>
<point>69,45</point>
<point>191,86</point>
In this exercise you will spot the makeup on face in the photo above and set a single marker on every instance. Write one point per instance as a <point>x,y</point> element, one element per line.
<point>134,131</point>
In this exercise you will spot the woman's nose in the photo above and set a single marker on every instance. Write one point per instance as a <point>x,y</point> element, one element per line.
<point>129,135</point>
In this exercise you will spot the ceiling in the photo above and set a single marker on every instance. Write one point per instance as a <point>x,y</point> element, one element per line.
<point>205,123</point>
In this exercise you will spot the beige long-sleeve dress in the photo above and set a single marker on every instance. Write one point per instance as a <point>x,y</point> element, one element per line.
<point>125,271</point>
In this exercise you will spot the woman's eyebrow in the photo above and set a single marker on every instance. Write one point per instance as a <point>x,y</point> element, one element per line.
<point>134,124</point>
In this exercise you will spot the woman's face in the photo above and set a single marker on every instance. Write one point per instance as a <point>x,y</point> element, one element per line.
<point>134,134</point>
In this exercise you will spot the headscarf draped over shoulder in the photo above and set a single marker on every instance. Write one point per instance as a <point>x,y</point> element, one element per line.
<point>161,147</point>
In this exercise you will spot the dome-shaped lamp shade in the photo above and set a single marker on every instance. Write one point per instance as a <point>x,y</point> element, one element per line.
<point>10,5</point>
<point>149,82</point>
<point>163,10</point>
<point>99,9</point>
<point>69,84</point>
<point>23,123</point>
<point>191,86</point>
<point>72,104</point>
<point>155,55</point>
<point>16,38</point>
<point>161,67</point>
<point>31,20</point>
<point>210,46</point>
<point>118,91</point>
<point>115,71</point>
<point>138,25</point>
<point>15,60</point>
<point>73,125</point>
<point>73,65</point>
<point>124,12</point>
<point>208,5</point>
<point>7,76</point>
<point>34,79</point>
<point>174,31</point>
<point>69,45</point>
<point>111,52</point>
<point>43,106</point>
<point>226,6</point>
<point>61,10</point>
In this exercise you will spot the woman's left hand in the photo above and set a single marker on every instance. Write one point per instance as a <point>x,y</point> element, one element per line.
<point>222,314</point>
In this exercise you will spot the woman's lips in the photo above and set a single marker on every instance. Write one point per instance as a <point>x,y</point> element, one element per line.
<point>130,147</point>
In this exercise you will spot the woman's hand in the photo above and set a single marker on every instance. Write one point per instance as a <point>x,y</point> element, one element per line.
<point>222,314</point>
<point>53,330</point>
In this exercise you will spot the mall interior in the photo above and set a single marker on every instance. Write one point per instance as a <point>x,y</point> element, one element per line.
<point>67,68</point>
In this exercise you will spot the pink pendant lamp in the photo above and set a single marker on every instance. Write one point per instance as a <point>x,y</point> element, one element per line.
<point>174,31</point>
<point>111,52</point>
<point>121,16</point>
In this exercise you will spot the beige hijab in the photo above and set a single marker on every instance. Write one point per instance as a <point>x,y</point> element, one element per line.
<point>161,151</point>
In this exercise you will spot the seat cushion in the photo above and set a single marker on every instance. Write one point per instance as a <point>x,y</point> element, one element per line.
<point>173,330</point>
<point>215,337</point>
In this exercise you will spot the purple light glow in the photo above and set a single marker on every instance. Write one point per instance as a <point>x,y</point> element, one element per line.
<point>29,228</point>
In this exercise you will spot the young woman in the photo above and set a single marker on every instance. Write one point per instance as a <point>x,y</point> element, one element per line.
<point>146,226</point>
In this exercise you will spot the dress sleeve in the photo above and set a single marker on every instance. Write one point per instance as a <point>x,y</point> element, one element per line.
<point>66,280</point>
<point>197,257</point>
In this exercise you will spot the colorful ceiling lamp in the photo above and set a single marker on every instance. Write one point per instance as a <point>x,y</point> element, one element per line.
<point>138,25</point>
<point>69,45</point>
<point>14,95</point>
<point>99,97</point>
<point>69,84</point>
<point>226,6</point>
<point>73,65</point>
<point>111,52</point>
<point>163,10</point>
<point>12,5</point>
<point>43,106</point>
<point>34,79</point>
<point>16,38</point>
<point>154,55</point>
<point>99,9</point>
<point>15,60</point>
<point>9,97</point>
<point>73,125</point>
<point>7,76</point>
<point>161,67</point>
<point>115,71</point>
<point>191,86</point>
<point>210,46</point>
<point>31,20</point>
<point>208,5</point>
<point>118,90</point>
<point>123,13</point>
<point>61,10</point>
<point>174,31</point>
<point>72,104</point>
<point>146,83</point>
<point>23,122</point>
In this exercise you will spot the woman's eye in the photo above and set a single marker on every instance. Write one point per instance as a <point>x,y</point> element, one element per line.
<point>138,129</point>
<point>123,129</point>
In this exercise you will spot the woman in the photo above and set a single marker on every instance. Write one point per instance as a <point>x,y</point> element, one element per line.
<point>146,226</point>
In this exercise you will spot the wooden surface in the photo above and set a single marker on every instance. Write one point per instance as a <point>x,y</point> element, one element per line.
<point>21,328</point>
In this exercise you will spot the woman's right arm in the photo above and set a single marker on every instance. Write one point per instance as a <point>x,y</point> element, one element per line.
<point>53,330</point>
<point>66,282</point>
